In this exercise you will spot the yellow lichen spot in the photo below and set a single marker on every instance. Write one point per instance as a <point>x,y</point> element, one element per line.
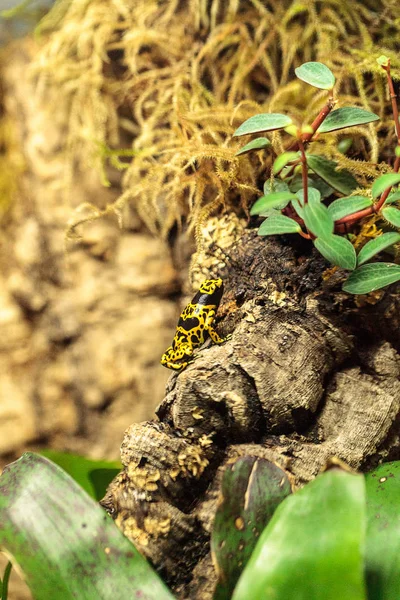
<point>192,463</point>
<point>239,523</point>
<point>197,413</point>
<point>277,298</point>
<point>131,530</point>
<point>205,441</point>
<point>173,473</point>
<point>107,550</point>
<point>143,478</point>
<point>157,527</point>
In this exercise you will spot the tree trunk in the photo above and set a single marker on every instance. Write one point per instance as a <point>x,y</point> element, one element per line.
<point>310,373</point>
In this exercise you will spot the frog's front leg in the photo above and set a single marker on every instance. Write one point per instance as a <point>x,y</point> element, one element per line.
<point>216,338</point>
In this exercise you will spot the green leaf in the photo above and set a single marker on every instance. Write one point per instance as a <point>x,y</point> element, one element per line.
<point>347,206</point>
<point>282,160</point>
<point>5,582</point>
<point>314,195</point>
<point>392,215</point>
<point>369,278</point>
<point>377,245</point>
<point>276,224</point>
<point>338,250</point>
<point>314,181</point>
<point>276,186</point>
<point>383,182</point>
<point>257,144</point>
<point>251,490</point>
<point>344,145</point>
<point>312,548</point>
<point>317,217</point>
<point>274,200</point>
<point>316,74</point>
<point>343,181</point>
<point>382,552</point>
<point>298,207</point>
<point>263,122</point>
<point>93,476</point>
<point>346,117</point>
<point>65,544</point>
<point>393,197</point>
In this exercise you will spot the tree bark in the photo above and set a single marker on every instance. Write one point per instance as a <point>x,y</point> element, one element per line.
<point>310,373</point>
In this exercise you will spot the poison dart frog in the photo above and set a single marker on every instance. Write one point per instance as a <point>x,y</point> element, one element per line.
<point>195,322</point>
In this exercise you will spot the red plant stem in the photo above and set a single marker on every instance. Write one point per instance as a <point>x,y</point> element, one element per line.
<point>304,171</point>
<point>350,219</point>
<point>319,119</point>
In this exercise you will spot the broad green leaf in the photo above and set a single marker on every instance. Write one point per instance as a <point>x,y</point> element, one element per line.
<point>93,475</point>
<point>251,490</point>
<point>369,278</point>
<point>65,544</point>
<point>343,181</point>
<point>263,122</point>
<point>377,245</point>
<point>276,186</point>
<point>257,144</point>
<point>392,215</point>
<point>316,74</point>
<point>274,200</point>
<point>338,250</point>
<point>394,196</point>
<point>298,207</point>
<point>282,160</point>
<point>314,181</point>
<point>346,117</point>
<point>383,182</point>
<point>382,553</point>
<point>313,194</point>
<point>317,217</point>
<point>347,206</point>
<point>276,224</point>
<point>312,548</point>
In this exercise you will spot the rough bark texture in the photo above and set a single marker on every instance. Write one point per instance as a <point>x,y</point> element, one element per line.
<point>310,373</point>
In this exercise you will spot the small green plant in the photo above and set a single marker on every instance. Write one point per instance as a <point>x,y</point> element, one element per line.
<point>300,183</point>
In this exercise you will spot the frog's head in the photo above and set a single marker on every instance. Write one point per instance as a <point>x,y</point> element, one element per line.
<point>210,286</point>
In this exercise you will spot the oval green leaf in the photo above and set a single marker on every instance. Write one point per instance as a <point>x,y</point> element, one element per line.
<point>313,545</point>
<point>392,215</point>
<point>346,117</point>
<point>94,476</point>
<point>282,160</point>
<point>377,245</point>
<point>257,144</point>
<point>347,206</point>
<point>274,200</point>
<point>393,197</point>
<point>382,552</point>
<point>251,490</point>
<point>314,195</point>
<point>369,278</point>
<point>298,207</point>
<point>317,217</point>
<point>383,182</point>
<point>343,181</point>
<point>276,224</point>
<point>65,544</point>
<point>263,122</point>
<point>338,250</point>
<point>276,186</point>
<point>316,74</point>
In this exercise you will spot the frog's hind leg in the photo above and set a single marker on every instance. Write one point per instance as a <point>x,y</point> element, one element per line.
<point>216,338</point>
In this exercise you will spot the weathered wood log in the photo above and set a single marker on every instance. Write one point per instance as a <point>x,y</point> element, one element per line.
<point>310,373</point>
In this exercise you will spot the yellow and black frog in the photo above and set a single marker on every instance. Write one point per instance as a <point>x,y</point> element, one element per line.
<point>195,323</point>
